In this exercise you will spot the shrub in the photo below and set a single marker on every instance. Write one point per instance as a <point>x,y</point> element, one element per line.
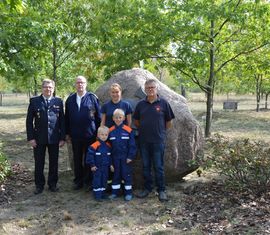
<point>5,168</point>
<point>245,163</point>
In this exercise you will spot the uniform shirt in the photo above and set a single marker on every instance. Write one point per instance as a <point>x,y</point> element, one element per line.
<point>45,123</point>
<point>99,154</point>
<point>109,107</point>
<point>82,124</point>
<point>123,142</point>
<point>153,118</point>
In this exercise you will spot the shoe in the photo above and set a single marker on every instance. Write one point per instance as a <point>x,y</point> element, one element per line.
<point>77,186</point>
<point>162,196</point>
<point>143,193</point>
<point>54,188</point>
<point>128,197</point>
<point>112,196</point>
<point>38,190</point>
<point>105,197</point>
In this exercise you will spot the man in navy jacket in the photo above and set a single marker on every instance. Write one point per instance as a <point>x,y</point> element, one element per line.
<point>46,129</point>
<point>82,116</point>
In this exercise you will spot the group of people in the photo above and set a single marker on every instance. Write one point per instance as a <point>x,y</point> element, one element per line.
<point>101,137</point>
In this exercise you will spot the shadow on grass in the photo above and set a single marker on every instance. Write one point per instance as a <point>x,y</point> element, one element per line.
<point>12,116</point>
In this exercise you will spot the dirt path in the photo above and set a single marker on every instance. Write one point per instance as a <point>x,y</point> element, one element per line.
<point>197,206</point>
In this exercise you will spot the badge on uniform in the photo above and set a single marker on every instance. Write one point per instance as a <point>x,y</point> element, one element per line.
<point>38,113</point>
<point>158,108</point>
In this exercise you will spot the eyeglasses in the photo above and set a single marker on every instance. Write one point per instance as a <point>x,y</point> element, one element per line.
<point>150,87</point>
<point>47,87</point>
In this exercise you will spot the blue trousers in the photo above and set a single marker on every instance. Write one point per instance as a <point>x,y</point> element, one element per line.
<point>122,171</point>
<point>153,154</point>
<point>100,177</point>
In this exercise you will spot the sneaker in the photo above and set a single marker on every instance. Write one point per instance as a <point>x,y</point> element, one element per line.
<point>143,193</point>
<point>162,196</point>
<point>128,197</point>
<point>112,196</point>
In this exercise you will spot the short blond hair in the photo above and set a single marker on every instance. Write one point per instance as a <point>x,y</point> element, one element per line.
<point>118,112</point>
<point>103,129</point>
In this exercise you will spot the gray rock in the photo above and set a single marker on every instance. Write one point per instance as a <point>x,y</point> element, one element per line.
<point>184,141</point>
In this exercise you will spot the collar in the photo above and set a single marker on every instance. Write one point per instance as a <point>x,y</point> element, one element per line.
<point>80,97</point>
<point>158,99</point>
<point>47,98</point>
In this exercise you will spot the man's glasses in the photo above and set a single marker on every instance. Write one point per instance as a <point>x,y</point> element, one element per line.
<point>150,87</point>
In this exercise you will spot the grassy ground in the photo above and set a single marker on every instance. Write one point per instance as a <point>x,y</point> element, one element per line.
<point>195,207</point>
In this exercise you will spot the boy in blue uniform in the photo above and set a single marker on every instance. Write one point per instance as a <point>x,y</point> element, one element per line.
<point>123,152</point>
<point>99,159</point>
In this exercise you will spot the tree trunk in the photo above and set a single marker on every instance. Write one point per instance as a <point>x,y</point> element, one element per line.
<point>54,54</point>
<point>1,99</point>
<point>210,85</point>
<point>266,100</point>
<point>35,86</point>
<point>258,79</point>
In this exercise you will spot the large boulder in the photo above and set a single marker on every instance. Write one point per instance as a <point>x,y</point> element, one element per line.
<point>184,140</point>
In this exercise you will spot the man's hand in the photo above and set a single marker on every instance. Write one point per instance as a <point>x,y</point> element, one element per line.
<point>128,160</point>
<point>94,168</point>
<point>112,168</point>
<point>61,143</point>
<point>33,143</point>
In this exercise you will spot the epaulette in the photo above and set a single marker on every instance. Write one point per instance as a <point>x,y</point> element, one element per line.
<point>126,128</point>
<point>95,145</point>
<point>112,128</point>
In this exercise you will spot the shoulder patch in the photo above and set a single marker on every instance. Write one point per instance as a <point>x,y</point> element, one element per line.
<point>112,128</point>
<point>127,128</point>
<point>95,145</point>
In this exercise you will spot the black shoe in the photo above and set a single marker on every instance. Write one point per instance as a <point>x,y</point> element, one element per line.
<point>77,186</point>
<point>162,196</point>
<point>54,188</point>
<point>143,193</point>
<point>38,190</point>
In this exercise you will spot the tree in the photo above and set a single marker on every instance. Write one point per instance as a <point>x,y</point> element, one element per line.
<point>208,35</point>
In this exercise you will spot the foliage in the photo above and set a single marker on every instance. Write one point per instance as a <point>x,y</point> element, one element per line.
<point>5,168</point>
<point>246,164</point>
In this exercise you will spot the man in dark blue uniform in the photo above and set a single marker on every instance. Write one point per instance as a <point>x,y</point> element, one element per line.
<point>82,116</point>
<point>46,130</point>
<point>153,116</point>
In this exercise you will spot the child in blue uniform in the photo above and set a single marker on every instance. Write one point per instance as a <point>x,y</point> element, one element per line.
<point>99,158</point>
<point>123,152</point>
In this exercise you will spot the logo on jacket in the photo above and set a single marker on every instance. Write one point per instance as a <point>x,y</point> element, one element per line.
<point>158,108</point>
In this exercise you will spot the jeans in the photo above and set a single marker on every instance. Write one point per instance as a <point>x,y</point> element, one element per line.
<point>152,154</point>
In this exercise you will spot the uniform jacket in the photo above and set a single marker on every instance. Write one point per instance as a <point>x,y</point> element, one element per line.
<point>45,124</point>
<point>123,142</point>
<point>99,154</point>
<point>82,124</point>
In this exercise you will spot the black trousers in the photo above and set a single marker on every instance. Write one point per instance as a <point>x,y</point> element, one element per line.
<point>39,156</point>
<point>82,172</point>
